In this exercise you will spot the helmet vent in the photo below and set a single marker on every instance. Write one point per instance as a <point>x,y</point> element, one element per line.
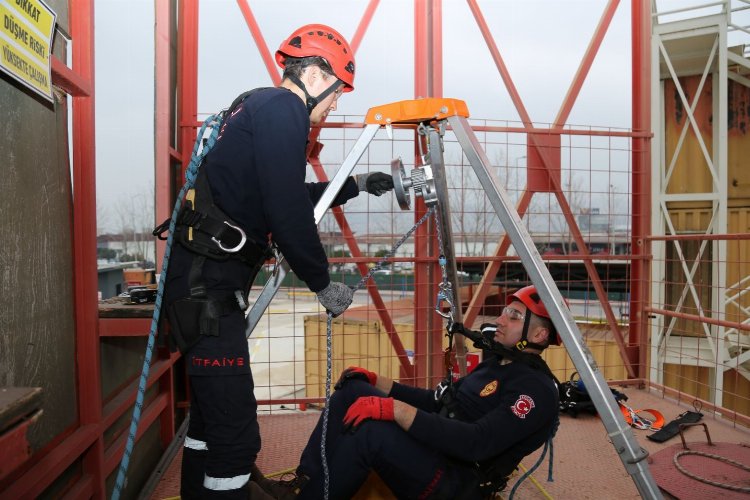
<point>296,42</point>
<point>350,67</point>
<point>535,297</point>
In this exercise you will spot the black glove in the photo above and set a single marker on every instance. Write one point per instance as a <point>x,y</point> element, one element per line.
<point>375,183</point>
<point>336,297</point>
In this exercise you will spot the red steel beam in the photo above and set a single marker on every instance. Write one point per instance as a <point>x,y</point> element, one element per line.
<point>124,327</point>
<point>68,80</point>
<point>585,66</point>
<point>150,413</point>
<point>187,77</point>
<point>163,134</point>
<point>83,488</point>
<point>260,42</point>
<point>700,319</point>
<point>364,23</point>
<point>544,155</point>
<point>124,400</point>
<point>167,387</point>
<point>500,63</point>
<point>428,336</point>
<point>88,369</point>
<point>51,466</point>
<point>15,444</point>
<point>640,267</point>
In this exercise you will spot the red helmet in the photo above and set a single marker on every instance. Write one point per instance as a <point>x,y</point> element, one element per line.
<point>322,41</point>
<point>529,297</point>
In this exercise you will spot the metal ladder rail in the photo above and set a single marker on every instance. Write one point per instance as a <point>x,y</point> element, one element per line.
<point>626,445</point>
<point>332,190</point>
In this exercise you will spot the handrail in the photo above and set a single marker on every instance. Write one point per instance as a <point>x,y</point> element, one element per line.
<point>690,8</point>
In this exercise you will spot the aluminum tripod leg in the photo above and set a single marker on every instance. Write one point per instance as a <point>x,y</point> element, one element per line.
<point>437,163</point>
<point>625,443</point>
<point>332,190</point>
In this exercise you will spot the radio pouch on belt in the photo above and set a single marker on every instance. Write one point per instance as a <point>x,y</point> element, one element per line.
<point>190,318</point>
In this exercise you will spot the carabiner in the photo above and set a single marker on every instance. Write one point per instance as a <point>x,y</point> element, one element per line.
<point>243,239</point>
<point>444,297</point>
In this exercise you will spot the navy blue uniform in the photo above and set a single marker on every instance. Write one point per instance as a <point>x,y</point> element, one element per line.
<point>256,171</point>
<point>506,410</point>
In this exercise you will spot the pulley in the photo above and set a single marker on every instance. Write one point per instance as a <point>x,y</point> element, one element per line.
<point>421,181</point>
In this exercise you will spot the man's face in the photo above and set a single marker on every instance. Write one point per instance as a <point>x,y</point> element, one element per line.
<point>510,324</point>
<point>320,112</point>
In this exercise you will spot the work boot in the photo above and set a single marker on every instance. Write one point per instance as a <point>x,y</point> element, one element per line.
<point>255,492</point>
<point>256,476</point>
<point>286,488</point>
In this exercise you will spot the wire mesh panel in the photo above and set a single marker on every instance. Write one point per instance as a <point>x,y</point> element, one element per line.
<point>288,347</point>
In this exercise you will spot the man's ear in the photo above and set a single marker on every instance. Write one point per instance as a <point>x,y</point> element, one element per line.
<point>541,335</point>
<point>310,74</point>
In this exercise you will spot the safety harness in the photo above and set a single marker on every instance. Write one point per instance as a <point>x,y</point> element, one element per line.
<point>207,232</point>
<point>494,473</point>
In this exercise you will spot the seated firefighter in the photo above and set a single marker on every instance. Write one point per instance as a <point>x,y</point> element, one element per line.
<point>462,440</point>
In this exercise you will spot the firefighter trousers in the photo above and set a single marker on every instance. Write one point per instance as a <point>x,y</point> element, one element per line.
<point>410,469</point>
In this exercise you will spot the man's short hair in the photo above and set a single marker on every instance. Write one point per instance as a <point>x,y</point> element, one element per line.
<point>295,66</point>
<point>537,320</point>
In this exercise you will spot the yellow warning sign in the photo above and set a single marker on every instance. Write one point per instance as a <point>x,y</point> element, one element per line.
<point>26,32</point>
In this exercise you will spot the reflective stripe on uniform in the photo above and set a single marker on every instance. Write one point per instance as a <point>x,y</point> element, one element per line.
<point>225,483</point>
<point>195,444</point>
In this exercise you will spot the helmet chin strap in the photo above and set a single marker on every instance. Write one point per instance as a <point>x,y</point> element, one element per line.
<point>310,101</point>
<point>524,342</point>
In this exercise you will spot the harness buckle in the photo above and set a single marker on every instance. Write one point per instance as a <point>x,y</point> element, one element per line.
<point>243,239</point>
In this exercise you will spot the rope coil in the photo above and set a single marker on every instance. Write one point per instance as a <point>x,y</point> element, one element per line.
<point>681,468</point>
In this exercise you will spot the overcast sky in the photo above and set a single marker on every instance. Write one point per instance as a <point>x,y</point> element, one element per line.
<point>541,41</point>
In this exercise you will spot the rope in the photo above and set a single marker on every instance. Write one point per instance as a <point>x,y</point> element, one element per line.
<point>742,489</point>
<point>536,483</point>
<point>329,336</point>
<point>206,135</point>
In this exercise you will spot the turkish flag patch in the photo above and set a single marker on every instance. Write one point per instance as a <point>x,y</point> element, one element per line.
<point>523,406</point>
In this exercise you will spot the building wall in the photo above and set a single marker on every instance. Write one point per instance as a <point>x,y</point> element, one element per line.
<point>37,330</point>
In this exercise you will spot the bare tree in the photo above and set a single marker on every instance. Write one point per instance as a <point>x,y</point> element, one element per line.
<point>548,216</point>
<point>103,217</point>
<point>473,218</point>
<point>134,219</point>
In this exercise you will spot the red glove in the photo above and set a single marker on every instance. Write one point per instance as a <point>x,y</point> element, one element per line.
<point>358,373</point>
<point>368,408</point>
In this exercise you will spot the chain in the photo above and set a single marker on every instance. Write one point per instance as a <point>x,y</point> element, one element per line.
<point>445,294</point>
<point>329,337</point>
<point>445,288</point>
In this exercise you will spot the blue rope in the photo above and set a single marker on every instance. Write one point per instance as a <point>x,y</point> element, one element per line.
<point>547,445</point>
<point>212,124</point>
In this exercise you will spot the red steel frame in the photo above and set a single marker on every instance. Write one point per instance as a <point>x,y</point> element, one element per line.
<point>84,441</point>
<point>428,366</point>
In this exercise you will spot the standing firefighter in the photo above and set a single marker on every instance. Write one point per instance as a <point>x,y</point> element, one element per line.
<point>461,441</point>
<point>251,191</point>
